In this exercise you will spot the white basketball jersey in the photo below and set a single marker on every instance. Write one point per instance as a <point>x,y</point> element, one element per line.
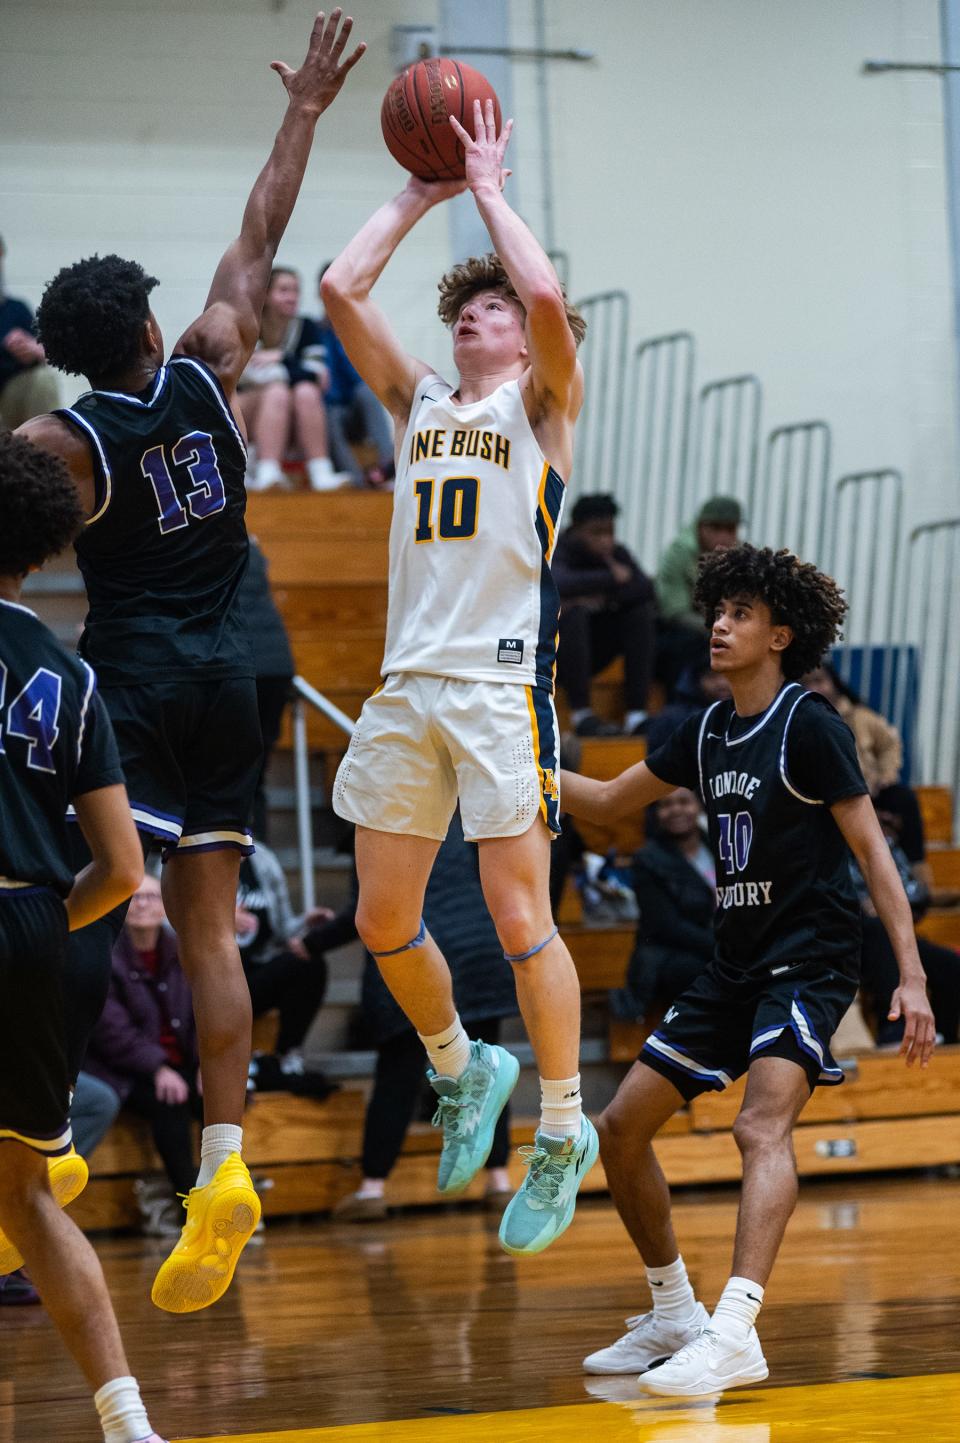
<point>475,513</point>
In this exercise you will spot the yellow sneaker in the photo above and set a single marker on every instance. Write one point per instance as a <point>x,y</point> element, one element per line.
<point>220,1219</point>
<point>68,1178</point>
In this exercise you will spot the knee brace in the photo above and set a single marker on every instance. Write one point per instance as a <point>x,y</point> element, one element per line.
<point>417,941</point>
<point>532,951</point>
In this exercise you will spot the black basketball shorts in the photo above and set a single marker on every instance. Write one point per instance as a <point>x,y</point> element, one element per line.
<point>191,754</point>
<point>34,1080</point>
<point>715,1029</point>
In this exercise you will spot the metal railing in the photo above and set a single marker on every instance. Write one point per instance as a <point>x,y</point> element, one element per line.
<point>790,506</point>
<point>929,611</point>
<point>864,556</point>
<point>305,695</point>
<point>596,462</point>
<point>659,412</point>
<point>727,444</point>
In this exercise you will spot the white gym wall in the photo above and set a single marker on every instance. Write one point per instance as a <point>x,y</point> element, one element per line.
<point>724,161</point>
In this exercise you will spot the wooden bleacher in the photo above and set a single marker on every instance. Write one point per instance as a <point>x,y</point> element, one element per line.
<point>885,1116</point>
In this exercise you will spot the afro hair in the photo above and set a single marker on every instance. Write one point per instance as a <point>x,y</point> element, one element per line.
<point>40,511</point>
<point>92,314</point>
<point>488,273</point>
<point>798,595</point>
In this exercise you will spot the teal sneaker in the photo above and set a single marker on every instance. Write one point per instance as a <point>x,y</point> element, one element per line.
<point>543,1207</point>
<point>467,1110</point>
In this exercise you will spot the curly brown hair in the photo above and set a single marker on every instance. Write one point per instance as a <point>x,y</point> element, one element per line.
<point>40,512</point>
<point>488,273</point>
<point>798,595</point>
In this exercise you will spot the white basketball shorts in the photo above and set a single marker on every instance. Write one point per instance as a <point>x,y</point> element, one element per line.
<point>423,741</point>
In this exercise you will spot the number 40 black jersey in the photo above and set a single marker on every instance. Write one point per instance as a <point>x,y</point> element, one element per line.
<point>784,888</point>
<point>166,548</point>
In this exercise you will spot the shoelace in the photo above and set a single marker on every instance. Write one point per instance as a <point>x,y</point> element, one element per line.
<point>545,1175</point>
<point>454,1114</point>
<point>700,1344</point>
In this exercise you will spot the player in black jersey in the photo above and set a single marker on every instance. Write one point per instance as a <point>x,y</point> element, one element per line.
<point>157,454</point>
<point>56,748</point>
<point>777,771</point>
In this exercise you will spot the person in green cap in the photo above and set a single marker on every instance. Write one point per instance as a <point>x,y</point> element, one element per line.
<point>681,636</point>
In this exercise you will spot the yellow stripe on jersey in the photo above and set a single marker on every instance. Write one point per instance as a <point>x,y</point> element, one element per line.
<point>548,520</point>
<point>535,728</point>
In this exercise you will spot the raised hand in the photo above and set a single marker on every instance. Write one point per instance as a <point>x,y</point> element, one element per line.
<point>484,155</point>
<point>317,83</point>
<point>434,191</point>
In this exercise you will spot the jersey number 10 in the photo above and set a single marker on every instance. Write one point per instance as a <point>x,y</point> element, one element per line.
<point>195,451</point>
<point>457,512</point>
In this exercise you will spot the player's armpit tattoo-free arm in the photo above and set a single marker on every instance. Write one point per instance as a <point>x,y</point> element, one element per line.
<point>857,820</point>
<point>59,439</point>
<point>225,335</point>
<point>363,329</point>
<point>605,802</point>
<point>117,867</point>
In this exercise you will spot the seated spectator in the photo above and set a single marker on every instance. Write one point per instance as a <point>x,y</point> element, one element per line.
<point>682,638</point>
<point>145,1048</point>
<point>880,751</point>
<point>281,391</point>
<point>880,973</point>
<point>675,884</point>
<point>272,664</point>
<point>353,411</point>
<point>697,688</point>
<point>607,611</point>
<point>457,917</point>
<point>282,971</point>
<point>28,388</point>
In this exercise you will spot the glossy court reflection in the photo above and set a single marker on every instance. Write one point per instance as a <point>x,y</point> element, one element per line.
<point>910,1409</point>
<point>422,1330</point>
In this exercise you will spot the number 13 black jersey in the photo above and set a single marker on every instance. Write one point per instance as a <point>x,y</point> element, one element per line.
<point>165,550</point>
<point>784,888</point>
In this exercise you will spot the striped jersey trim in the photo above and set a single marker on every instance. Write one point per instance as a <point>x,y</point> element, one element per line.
<point>104,464</point>
<point>224,838</point>
<point>662,1048</point>
<point>218,395</point>
<point>50,1146</point>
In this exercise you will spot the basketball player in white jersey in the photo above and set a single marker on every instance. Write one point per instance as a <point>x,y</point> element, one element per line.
<point>466,707</point>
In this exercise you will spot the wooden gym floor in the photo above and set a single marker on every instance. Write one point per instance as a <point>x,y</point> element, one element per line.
<point>423,1329</point>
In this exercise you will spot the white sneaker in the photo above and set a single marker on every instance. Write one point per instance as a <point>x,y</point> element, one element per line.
<point>710,1364</point>
<point>331,481</point>
<point>649,1340</point>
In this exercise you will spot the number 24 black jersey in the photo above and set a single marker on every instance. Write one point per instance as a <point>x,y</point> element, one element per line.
<point>56,743</point>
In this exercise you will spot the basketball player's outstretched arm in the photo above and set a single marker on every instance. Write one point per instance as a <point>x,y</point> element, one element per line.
<point>366,334</point>
<point>857,819</point>
<point>605,802</point>
<point>553,352</point>
<point>225,335</point>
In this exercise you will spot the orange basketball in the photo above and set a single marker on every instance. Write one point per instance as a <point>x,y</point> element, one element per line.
<point>416,110</point>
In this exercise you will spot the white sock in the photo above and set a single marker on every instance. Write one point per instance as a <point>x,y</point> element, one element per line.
<point>123,1417</point>
<point>581,714</point>
<point>736,1312</point>
<point>320,469</point>
<point>561,1107</point>
<point>371,1187</point>
<point>267,473</point>
<point>673,1297</point>
<point>633,719</point>
<point>448,1051</point>
<point>216,1144</point>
